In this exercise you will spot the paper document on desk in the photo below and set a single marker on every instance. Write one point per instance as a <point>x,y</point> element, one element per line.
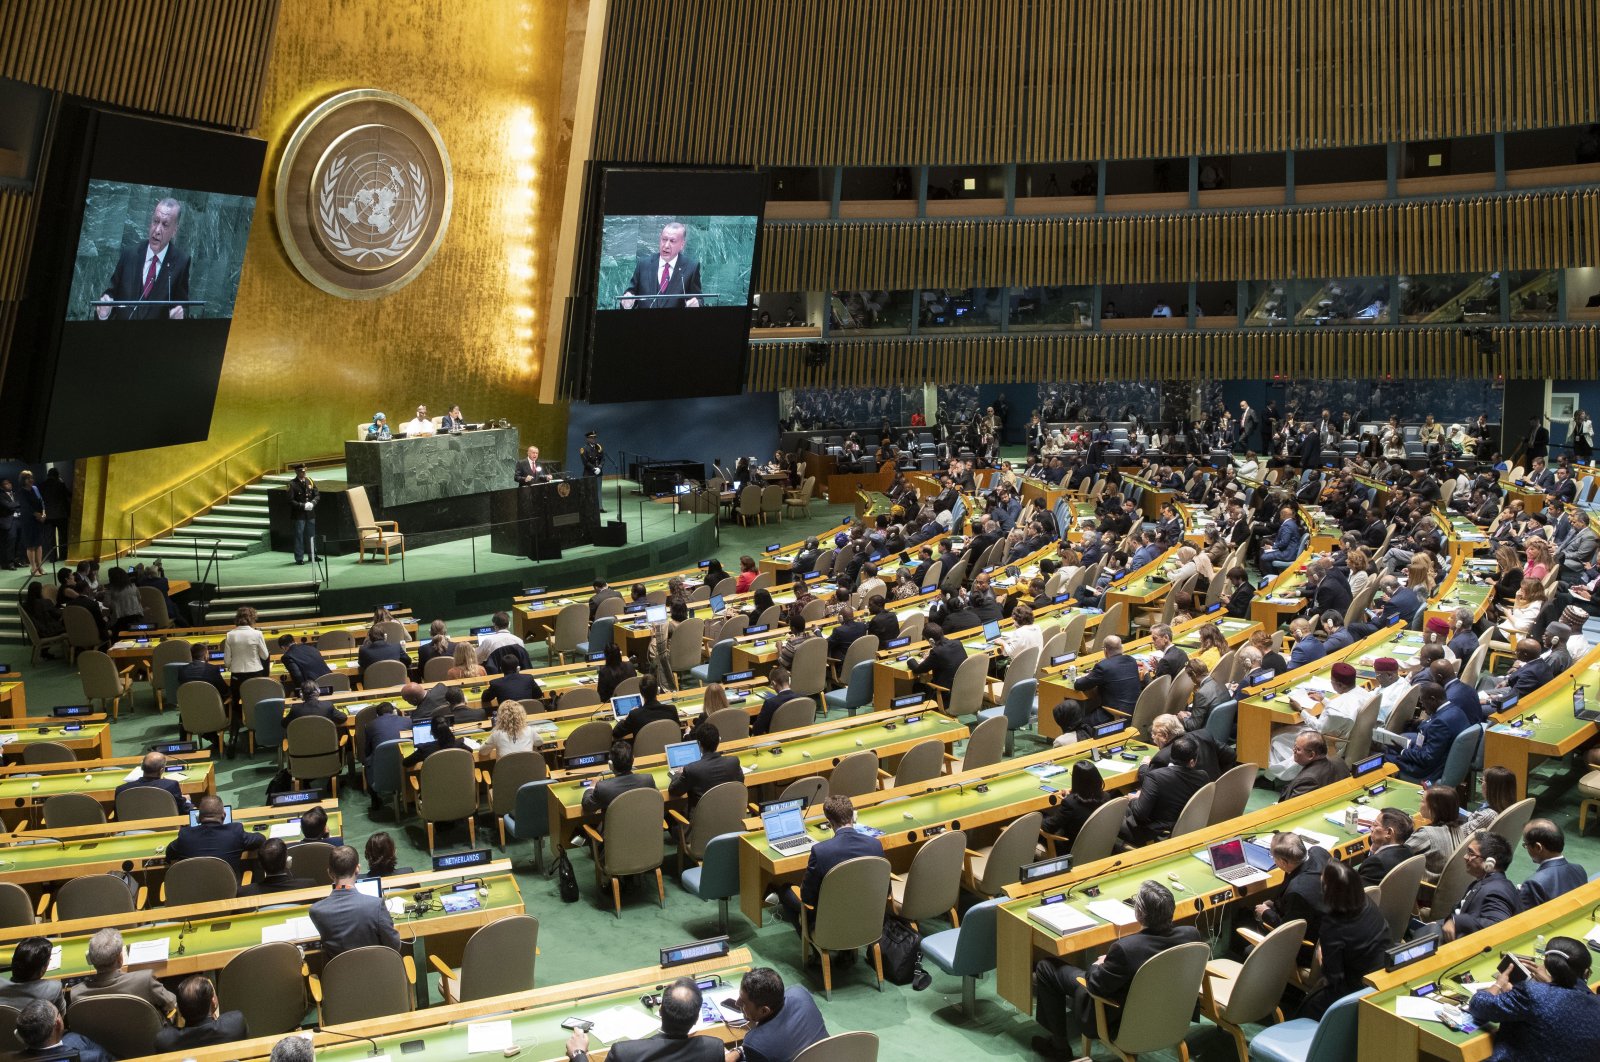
<point>1322,840</point>
<point>284,830</point>
<point>145,952</point>
<point>622,1022</point>
<point>1417,1008</point>
<point>472,744</point>
<point>55,959</point>
<point>134,775</point>
<point>486,1036</point>
<point>288,932</point>
<point>1046,770</point>
<point>1114,911</point>
<point>1061,918</point>
<point>6,739</point>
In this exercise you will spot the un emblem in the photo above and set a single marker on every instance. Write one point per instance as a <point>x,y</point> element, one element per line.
<point>363,194</point>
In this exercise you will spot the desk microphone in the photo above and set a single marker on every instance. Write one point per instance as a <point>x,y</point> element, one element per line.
<point>1480,952</point>
<point>354,1036</point>
<point>1068,894</point>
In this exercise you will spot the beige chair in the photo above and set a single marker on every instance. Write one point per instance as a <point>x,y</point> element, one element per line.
<point>792,714</point>
<point>579,697</point>
<point>16,906</point>
<point>172,651</point>
<point>863,648</point>
<point>125,1026</point>
<point>498,960</point>
<point>447,790</point>
<point>655,737</point>
<point>911,627</point>
<point>1151,703</point>
<point>153,603</point>
<point>593,736</point>
<point>1024,666</point>
<point>848,915</point>
<point>333,641</point>
<point>1510,822</point>
<point>373,534</point>
<point>733,724</point>
<point>855,775</point>
<point>1097,837</point>
<point>313,746</point>
<point>932,885</point>
<point>101,680</point>
<point>771,502</point>
<point>200,710</point>
<point>991,869</point>
<point>73,809</point>
<point>1397,893</point>
<point>1452,884</point>
<point>42,752</point>
<point>511,772</point>
<point>309,859</point>
<point>798,502</point>
<point>748,507</point>
<point>198,879</point>
<point>40,643</point>
<point>1232,793</point>
<point>1358,745</point>
<point>1150,1020</point>
<point>362,984</point>
<point>92,896</point>
<point>337,681</point>
<point>631,843</point>
<point>252,691</point>
<point>1235,994</point>
<point>382,674</point>
<point>812,789</point>
<point>720,810</point>
<point>145,802</point>
<point>965,695</point>
<point>985,745</point>
<point>1113,621</point>
<point>1404,709</point>
<point>1196,814</point>
<point>571,627</point>
<point>921,762</point>
<point>1179,692</point>
<point>437,669</point>
<point>808,674</point>
<point>82,633</point>
<point>1473,667</point>
<point>394,632</point>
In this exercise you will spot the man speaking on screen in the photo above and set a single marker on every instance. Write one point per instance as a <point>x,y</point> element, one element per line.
<point>153,270</point>
<point>668,273</point>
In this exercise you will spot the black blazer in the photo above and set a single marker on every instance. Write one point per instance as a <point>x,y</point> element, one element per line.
<point>127,282</point>
<point>1379,863</point>
<point>843,636</point>
<point>885,625</point>
<point>1171,663</point>
<point>1208,758</point>
<point>698,778</point>
<point>603,792</point>
<point>1315,775</point>
<point>1302,895</point>
<point>1117,679</point>
<point>513,687</point>
<point>941,662</point>
<point>1067,818</point>
<point>685,280</point>
<point>609,678</point>
<point>225,1029</point>
<point>662,1048</point>
<point>1162,795</point>
<point>224,840</point>
<point>1351,949</point>
<point>1112,978</point>
<point>168,784</point>
<point>1490,899</point>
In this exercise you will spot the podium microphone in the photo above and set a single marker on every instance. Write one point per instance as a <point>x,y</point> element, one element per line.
<point>355,1036</point>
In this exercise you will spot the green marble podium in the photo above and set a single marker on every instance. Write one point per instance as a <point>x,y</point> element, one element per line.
<point>401,472</point>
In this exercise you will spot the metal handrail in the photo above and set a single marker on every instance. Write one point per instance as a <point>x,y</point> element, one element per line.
<point>231,486</point>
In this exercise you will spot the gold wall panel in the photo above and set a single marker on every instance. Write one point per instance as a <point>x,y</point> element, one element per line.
<point>1517,231</point>
<point>1529,352</point>
<point>311,366</point>
<point>896,82</point>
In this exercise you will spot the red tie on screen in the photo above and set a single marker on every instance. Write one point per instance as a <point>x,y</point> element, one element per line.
<point>666,274</point>
<point>150,278</point>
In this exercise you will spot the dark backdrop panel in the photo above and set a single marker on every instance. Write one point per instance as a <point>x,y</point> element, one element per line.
<point>697,429</point>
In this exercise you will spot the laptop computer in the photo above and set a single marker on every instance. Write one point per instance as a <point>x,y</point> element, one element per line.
<point>621,706</point>
<point>991,631</point>
<point>682,753</point>
<point>786,831</point>
<point>370,887</point>
<point>717,603</point>
<point>1229,863</point>
<point>421,733</point>
<point>1580,710</point>
<point>655,614</point>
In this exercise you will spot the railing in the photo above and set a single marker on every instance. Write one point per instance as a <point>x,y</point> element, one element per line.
<point>215,484</point>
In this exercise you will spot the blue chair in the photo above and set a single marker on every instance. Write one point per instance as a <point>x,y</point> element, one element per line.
<point>857,694</point>
<point>1221,722</point>
<point>530,820</point>
<point>1333,1039</point>
<point>385,772</point>
<point>717,876</point>
<point>716,668</point>
<point>968,952</point>
<point>599,635</point>
<point>1018,710</point>
<point>266,724</point>
<point>1416,617</point>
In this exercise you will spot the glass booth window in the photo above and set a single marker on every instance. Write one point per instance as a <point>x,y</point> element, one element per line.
<point>1041,308</point>
<point>1532,295</point>
<point>1342,301</point>
<point>965,309</point>
<point>870,311</point>
<point>1450,298</point>
<point>880,182</point>
<point>780,309</point>
<point>1268,304</point>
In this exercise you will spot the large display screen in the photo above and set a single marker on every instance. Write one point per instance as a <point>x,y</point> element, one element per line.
<point>136,265</point>
<point>675,255</point>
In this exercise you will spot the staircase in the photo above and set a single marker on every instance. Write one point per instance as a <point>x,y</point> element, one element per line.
<point>236,528</point>
<point>270,600</point>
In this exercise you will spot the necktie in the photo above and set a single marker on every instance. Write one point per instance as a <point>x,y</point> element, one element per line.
<point>666,274</point>
<point>150,277</point>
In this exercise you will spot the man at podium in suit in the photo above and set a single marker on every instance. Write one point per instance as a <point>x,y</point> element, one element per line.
<point>671,272</point>
<point>153,269</point>
<point>529,471</point>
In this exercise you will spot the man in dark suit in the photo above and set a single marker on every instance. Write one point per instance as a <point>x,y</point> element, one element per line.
<point>712,768</point>
<point>272,871</point>
<point>1301,895</point>
<point>652,709</point>
<point>213,837</point>
<point>1333,587</point>
<point>1163,793</point>
<point>425,704</point>
<point>678,1013</point>
<point>1164,730</point>
<point>805,562</point>
<point>203,1021</point>
<point>944,657</point>
<point>302,660</point>
<point>108,955</point>
<point>1172,658</point>
<point>882,622</point>
<point>1113,681</point>
<point>154,269</point>
<point>1400,602</point>
<point>846,843</point>
<point>1317,768</point>
<point>529,470</point>
<point>600,795</point>
<point>1526,675</point>
<point>845,634</point>
<point>512,685</point>
<point>42,1034</point>
<point>1491,897</point>
<point>1056,984</point>
<point>378,647</point>
<point>669,272</point>
<point>1537,441</point>
<point>1552,874</point>
<point>778,677</point>
<point>311,704</point>
<point>1386,845</point>
<point>153,773</point>
<point>200,669</point>
<point>602,593</point>
<point>347,919</point>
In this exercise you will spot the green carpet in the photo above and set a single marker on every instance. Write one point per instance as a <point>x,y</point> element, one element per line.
<point>584,939</point>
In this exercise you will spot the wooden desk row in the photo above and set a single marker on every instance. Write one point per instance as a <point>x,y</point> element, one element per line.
<point>24,789</point>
